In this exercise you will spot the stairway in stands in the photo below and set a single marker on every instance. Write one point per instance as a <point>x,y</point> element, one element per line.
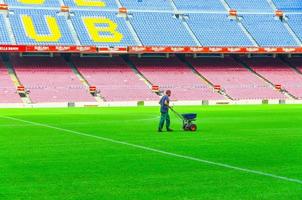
<point>49,80</point>
<point>294,63</point>
<point>115,80</point>
<point>138,73</point>
<point>274,72</point>
<point>204,79</point>
<point>237,82</point>
<point>26,98</point>
<point>87,85</point>
<point>171,73</point>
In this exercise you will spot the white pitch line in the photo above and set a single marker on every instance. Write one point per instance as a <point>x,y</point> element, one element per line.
<point>161,151</point>
<point>83,123</point>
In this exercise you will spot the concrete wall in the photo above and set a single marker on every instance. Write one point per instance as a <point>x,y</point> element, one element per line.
<point>148,103</point>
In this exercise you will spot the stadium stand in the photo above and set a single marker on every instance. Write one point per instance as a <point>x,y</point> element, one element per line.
<point>8,92</point>
<point>196,26</point>
<point>217,30</point>
<point>237,81</point>
<point>4,37</point>
<point>147,4</point>
<point>288,5</point>
<point>296,63</point>
<point>115,79</point>
<point>115,31</point>
<point>36,26</point>
<point>173,74</point>
<point>278,72</point>
<point>294,20</point>
<point>152,30</point>
<point>50,80</point>
<point>199,5</point>
<point>104,4</point>
<point>41,23</point>
<point>247,5</point>
<point>23,3</point>
<point>267,30</point>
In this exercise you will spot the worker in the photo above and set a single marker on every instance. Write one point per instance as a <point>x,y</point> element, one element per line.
<point>164,110</point>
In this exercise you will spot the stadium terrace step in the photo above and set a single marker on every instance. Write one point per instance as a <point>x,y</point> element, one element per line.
<point>274,72</point>
<point>170,33</point>
<point>217,30</point>
<point>294,25</point>
<point>247,33</point>
<point>158,27</point>
<point>288,5</point>
<point>8,85</point>
<point>9,29</point>
<point>73,31</point>
<point>5,37</point>
<point>24,95</point>
<point>98,96</point>
<point>193,23</point>
<point>155,5</point>
<point>260,6</point>
<point>260,31</point>
<point>114,78</point>
<point>133,32</point>
<point>50,80</point>
<point>292,32</point>
<point>191,32</point>
<point>238,82</point>
<point>204,5</point>
<point>85,23</point>
<point>203,78</point>
<point>137,72</point>
<point>171,73</point>
<point>294,63</point>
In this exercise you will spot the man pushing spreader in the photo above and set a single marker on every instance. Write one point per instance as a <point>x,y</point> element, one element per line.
<point>164,110</point>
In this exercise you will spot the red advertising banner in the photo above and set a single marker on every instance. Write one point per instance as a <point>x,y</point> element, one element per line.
<point>113,50</point>
<point>12,48</point>
<point>62,49</point>
<point>85,49</point>
<point>50,49</point>
<point>212,50</point>
<point>150,49</point>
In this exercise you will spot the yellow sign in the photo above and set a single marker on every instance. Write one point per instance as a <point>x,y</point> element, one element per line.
<point>95,32</point>
<point>37,2</point>
<point>30,30</point>
<point>91,3</point>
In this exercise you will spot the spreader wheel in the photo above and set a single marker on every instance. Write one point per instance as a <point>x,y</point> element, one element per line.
<point>193,127</point>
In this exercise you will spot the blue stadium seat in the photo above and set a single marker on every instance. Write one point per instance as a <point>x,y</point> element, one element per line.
<point>47,3</point>
<point>147,4</point>
<point>40,24</point>
<point>84,36</point>
<point>289,5</point>
<point>4,36</point>
<point>152,30</point>
<point>267,30</point>
<point>295,22</point>
<point>109,4</point>
<point>155,25</point>
<point>248,5</point>
<point>217,30</point>
<point>199,5</point>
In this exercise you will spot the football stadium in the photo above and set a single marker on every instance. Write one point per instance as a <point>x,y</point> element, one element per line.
<point>151,99</point>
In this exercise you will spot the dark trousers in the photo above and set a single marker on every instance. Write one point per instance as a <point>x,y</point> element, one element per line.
<point>164,118</point>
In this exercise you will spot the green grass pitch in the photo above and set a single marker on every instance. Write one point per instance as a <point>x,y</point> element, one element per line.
<point>91,153</point>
